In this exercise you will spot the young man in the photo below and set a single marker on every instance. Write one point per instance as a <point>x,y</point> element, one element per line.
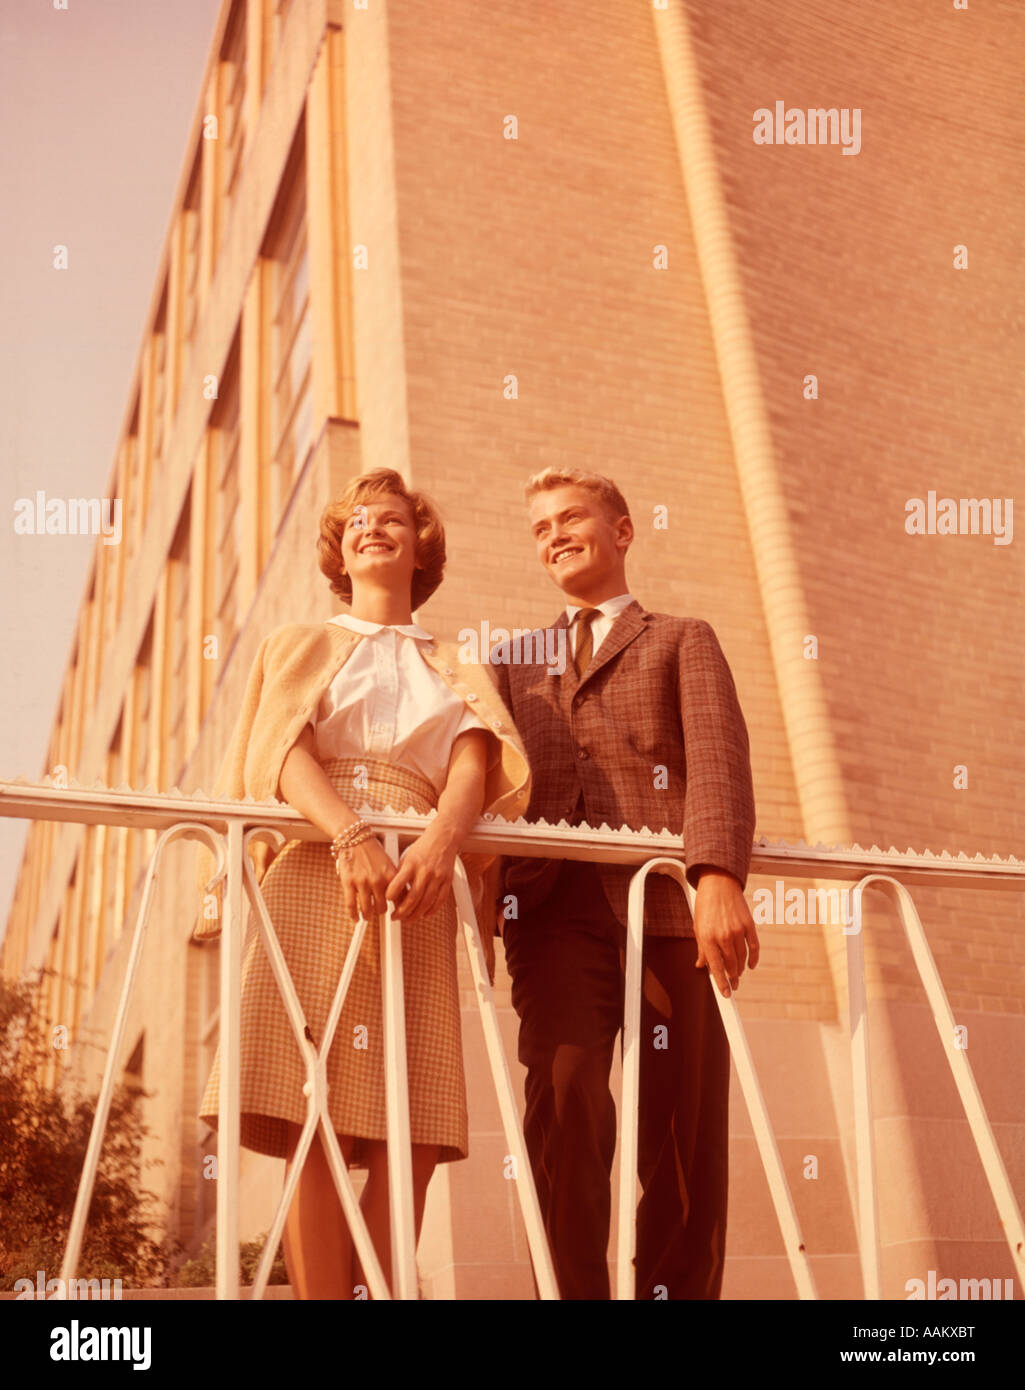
<point>642,728</point>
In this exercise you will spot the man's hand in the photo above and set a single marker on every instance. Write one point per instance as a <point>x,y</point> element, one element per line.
<point>724,929</point>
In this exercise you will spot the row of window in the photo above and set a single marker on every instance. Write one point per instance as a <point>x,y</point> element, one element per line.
<point>260,430</point>
<point>201,595</point>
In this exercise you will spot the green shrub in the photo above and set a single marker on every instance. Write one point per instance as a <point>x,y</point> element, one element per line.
<point>43,1138</point>
<point>200,1272</point>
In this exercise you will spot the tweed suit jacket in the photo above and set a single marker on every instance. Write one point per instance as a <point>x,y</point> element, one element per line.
<point>651,735</point>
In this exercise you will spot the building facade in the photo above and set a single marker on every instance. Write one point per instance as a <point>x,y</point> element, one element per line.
<point>469,243</point>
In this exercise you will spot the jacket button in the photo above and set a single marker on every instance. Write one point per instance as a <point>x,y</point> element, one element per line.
<point>499,724</point>
<point>471,696</point>
<point>582,754</point>
<point>447,670</point>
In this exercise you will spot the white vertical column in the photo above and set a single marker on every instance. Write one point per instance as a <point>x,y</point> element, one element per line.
<point>400,1157</point>
<point>228,1122</point>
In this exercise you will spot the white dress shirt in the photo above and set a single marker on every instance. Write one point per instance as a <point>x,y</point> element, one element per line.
<point>387,704</point>
<point>608,612</point>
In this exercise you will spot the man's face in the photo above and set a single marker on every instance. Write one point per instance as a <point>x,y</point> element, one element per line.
<point>577,542</point>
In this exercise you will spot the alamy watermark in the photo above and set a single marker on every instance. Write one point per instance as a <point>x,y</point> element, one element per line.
<point>934,1287</point>
<point>521,647</point>
<point>830,907</point>
<point>816,126</point>
<point>83,1343</point>
<point>69,516</point>
<point>59,1289</point>
<point>960,516</point>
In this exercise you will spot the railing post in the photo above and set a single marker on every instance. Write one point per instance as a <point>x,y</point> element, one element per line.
<point>228,1119</point>
<point>400,1157</point>
<point>762,1126</point>
<point>84,1195</point>
<point>526,1192</point>
<point>626,1238</point>
<point>861,1085</point>
<point>960,1069</point>
<point>315,1089</point>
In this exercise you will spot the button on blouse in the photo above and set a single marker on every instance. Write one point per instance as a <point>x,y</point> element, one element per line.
<point>387,704</point>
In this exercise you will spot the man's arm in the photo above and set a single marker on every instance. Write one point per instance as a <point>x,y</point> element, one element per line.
<point>719,812</point>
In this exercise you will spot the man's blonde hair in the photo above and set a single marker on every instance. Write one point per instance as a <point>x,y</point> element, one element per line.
<point>603,488</point>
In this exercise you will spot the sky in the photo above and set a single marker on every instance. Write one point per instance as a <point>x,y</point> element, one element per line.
<point>96,102</point>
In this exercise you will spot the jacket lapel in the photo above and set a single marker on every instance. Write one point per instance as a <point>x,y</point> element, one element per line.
<point>622,632</point>
<point>568,680</point>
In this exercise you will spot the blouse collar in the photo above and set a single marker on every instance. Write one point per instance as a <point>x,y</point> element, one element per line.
<point>369,629</point>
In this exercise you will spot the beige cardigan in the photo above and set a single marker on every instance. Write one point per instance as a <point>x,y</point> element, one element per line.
<point>293,667</point>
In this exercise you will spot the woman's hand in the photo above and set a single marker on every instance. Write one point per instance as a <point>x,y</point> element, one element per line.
<point>365,877</point>
<point>425,874</point>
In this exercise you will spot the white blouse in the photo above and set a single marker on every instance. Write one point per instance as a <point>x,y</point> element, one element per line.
<point>386,703</point>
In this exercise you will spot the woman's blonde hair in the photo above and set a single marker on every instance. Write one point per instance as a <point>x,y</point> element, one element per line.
<point>430,534</point>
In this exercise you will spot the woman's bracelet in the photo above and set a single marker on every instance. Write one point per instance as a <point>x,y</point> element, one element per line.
<point>349,838</point>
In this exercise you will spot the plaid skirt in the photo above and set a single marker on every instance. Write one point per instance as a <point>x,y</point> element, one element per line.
<point>305,904</point>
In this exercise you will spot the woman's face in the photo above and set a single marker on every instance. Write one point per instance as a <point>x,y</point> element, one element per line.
<point>379,543</point>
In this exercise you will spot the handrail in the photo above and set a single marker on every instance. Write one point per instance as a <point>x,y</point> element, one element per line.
<point>149,809</point>
<point>228,827</point>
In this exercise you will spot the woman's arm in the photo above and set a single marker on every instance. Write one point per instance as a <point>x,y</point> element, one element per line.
<point>425,874</point>
<point>305,785</point>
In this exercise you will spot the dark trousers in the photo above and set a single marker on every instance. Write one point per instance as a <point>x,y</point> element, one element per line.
<point>567,962</point>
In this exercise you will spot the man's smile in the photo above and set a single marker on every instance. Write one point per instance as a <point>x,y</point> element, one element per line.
<point>559,556</point>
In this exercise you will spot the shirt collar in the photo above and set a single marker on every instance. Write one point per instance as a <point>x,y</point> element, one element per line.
<point>369,629</point>
<point>609,608</point>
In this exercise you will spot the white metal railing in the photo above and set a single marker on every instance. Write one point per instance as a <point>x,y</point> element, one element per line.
<point>961,1070</point>
<point>229,827</point>
<point>766,1139</point>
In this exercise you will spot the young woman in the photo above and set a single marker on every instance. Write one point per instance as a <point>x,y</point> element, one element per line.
<point>367,707</point>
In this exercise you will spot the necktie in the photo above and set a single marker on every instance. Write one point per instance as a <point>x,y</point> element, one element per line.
<point>585,639</point>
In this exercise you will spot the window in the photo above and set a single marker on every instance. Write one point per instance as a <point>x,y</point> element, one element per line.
<point>131,486</point>
<point>132,1080</point>
<point>132,1077</point>
<point>291,396</point>
<point>281,12</point>
<point>176,666</point>
<point>225,508</point>
<point>138,771</point>
<point>159,384</point>
<point>96,837</point>
<point>115,850</point>
<point>231,127</point>
<point>190,255</point>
